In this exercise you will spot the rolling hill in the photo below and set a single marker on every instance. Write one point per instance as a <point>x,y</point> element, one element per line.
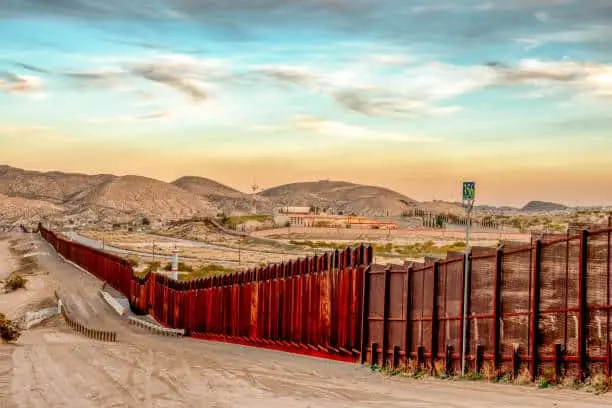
<point>227,199</point>
<point>17,209</point>
<point>341,197</point>
<point>543,206</point>
<point>54,187</point>
<point>93,198</point>
<point>136,195</point>
<point>27,195</point>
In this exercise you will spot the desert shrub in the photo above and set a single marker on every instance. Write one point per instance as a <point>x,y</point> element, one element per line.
<point>133,262</point>
<point>213,269</point>
<point>597,384</point>
<point>152,266</point>
<point>181,267</point>
<point>8,330</point>
<point>145,221</point>
<point>15,282</point>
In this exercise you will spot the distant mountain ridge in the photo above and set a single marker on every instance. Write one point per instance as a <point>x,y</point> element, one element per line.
<point>341,197</point>
<point>110,198</point>
<point>227,199</point>
<point>543,206</point>
<point>96,197</point>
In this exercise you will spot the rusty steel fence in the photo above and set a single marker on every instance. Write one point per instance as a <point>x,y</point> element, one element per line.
<point>310,306</point>
<point>542,308</point>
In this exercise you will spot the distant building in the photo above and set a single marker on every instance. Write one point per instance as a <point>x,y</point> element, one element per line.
<point>294,210</point>
<point>304,217</point>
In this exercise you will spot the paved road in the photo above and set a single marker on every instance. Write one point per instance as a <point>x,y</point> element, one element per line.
<point>53,367</point>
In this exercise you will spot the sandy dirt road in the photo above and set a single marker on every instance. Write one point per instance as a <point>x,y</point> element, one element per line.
<point>50,366</point>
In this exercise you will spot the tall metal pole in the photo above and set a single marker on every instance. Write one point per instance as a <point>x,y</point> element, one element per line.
<point>468,201</point>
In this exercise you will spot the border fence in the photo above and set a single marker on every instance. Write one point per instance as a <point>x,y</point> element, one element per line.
<point>309,306</point>
<point>542,308</point>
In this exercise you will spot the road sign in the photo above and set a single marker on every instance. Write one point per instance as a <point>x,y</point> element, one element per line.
<point>469,190</point>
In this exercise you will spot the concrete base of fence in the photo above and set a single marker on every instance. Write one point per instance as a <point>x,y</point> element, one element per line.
<point>34,318</point>
<point>112,302</point>
<point>95,334</point>
<point>155,328</point>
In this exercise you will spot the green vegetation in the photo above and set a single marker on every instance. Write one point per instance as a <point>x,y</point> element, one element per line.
<point>416,250</point>
<point>205,271</point>
<point>182,267</point>
<point>233,221</point>
<point>8,330</point>
<point>193,272</point>
<point>15,282</point>
<point>597,384</point>
<point>132,261</point>
<point>149,268</point>
<point>319,244</point>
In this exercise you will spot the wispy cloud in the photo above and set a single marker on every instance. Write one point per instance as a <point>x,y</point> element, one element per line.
<point>20,84</point>
<point>577,35</point>
<point>408,94</point>
<point>153,116</point>
<point>353,132</point>
<point>342,130</point>
<point>583,77</point>
<point>182,73</point>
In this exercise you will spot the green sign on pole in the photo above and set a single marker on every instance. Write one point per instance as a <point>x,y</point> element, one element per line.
<point>469,190</point>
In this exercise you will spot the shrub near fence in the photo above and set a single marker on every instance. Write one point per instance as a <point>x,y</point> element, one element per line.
<point>310,306</point>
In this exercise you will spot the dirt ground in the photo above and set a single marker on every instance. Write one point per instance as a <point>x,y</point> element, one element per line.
<point>278,245</point>
<point>400,236</point>
<point>50,366</point>
<point>249,254</point>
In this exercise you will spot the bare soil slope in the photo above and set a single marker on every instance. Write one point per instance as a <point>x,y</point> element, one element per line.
<point>54,187</point>
<point>340,196</point>
<point>442,207</point>
<point>13,209</point>
<point>138,195</point>
<point>228,199</point>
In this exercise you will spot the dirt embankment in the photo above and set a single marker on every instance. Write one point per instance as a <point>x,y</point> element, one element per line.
<point>18,257</point>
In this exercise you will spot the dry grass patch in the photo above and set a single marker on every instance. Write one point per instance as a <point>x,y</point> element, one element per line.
<point>14,282</point>
<point>9,331</point>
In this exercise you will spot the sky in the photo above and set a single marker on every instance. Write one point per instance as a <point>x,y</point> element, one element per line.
<point>417,96</point>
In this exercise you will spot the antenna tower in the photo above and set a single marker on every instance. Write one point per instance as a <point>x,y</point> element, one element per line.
<point>255,189</point>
